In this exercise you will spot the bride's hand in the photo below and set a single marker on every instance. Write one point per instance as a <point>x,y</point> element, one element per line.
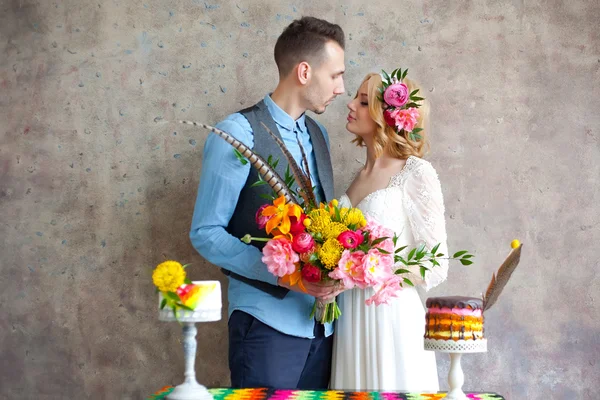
<point>339,288</point>
<point>318,290</point>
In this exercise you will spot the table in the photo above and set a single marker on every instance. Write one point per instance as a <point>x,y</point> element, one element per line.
<point>277,394</point>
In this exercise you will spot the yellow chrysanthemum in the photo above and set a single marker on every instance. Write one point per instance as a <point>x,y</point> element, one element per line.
<point>355,217</point>
<point>168,276</point>
<point>333,230</point>
<point>330,253</point>
<point>319,220</point>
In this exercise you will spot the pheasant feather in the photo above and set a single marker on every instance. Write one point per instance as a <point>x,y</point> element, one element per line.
<point>303,181</point>
<point>500,278</point>
<point>267,172</point>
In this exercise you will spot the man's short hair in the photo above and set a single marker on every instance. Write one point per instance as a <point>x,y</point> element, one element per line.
<point>304,40</point>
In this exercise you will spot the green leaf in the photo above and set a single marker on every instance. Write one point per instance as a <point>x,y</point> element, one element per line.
<point>468,256</point>
<point>439,255</point>
<point>399,74</point>
<point>415,137</point>
<point>435,248</point>
<point>408,282</point>
<point>185,307</point>
<point>413,263</point>
<point>187,281</point>
<point>466,262</point>
<point>435,262</point>
<point>171,296</point>
<point>403,261</point>
<point>394,72</point>
<point>401,271</point>
<point>404,74</point>
<point>258,183</point>
<point>459,253</point>
<point>423,270</point>
<point>377,241</point>
<point>240,157</point>
<point>186,265</point>
<point>387,77</point>
<point>417,130</point>
<point>417,98</point>
<point>414,92</point>
<point>383,251</point>
<point>275,163</point>
<point>163,303</point>
<point>411,254</point>
<point>399,249</point>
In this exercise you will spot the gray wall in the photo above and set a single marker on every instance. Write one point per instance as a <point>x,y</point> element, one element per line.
<point>94,193</point>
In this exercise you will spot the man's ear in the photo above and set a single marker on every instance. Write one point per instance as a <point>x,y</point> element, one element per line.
<point>304,72</point>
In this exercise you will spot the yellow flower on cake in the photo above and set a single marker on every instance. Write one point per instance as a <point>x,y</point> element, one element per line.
<point>168,276</point>
<point>330,253</point>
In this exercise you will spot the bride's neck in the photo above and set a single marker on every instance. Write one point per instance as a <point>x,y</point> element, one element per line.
<point>373,162</point>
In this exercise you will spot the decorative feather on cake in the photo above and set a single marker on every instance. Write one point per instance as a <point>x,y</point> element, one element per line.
<point>500,278</point>
<point>265,170</point>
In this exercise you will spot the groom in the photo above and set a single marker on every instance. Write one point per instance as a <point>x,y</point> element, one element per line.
<point>272,341</point>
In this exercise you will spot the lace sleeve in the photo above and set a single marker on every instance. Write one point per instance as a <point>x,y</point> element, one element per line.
<point>424,204</point>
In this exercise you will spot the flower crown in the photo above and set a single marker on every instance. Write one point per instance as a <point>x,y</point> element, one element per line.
<point>401,108</point>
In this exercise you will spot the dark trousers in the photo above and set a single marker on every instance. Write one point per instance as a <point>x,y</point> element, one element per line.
<point>260,356</point>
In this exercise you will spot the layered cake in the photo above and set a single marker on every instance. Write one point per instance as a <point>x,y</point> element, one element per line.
<point>454,322</point>
<point>203,296</point>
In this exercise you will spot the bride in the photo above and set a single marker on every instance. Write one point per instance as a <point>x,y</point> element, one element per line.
<point>381,347</point>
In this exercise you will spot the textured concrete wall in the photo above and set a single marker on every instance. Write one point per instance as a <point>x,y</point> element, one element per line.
<point>94,193</point>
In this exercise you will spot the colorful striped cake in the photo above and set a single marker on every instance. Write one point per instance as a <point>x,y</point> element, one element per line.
<point>454,318</point>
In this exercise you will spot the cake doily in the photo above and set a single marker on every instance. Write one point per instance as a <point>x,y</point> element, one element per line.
<point>458,346</point>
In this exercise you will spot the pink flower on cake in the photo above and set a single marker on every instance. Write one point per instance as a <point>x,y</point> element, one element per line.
<point>406,119</point>
<point>189,295</point>
<point>396,95</point>
<point>350,239</point>
<point>386,291</point>
<point>260,219</point>
<point>310,273</point>
<point>279,257</point>
<point>303,243</point>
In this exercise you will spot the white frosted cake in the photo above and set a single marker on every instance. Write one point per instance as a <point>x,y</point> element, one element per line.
<point>208,306</point>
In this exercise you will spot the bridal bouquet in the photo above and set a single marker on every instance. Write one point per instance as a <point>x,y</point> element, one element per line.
<point>329,243</point>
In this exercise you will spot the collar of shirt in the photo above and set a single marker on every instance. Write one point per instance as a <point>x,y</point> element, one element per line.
<point>283,119</point>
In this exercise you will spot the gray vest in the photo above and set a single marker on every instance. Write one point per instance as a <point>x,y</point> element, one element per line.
<point>243,219</point>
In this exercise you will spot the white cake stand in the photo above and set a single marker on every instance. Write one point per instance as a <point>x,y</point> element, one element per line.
<point>456,349</point>
<point>190,389</point>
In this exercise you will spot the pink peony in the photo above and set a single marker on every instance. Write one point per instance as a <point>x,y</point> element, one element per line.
<point>376,230</point>
<point>297,225</point>
<point>303,243</point>
<point>310,273</point>
<point>350,239</point>
<point>386,291</point>
<point>350,269</point>
<point>377,267</point>
<point>406,119</point>
<point>279,257</point>
<point>261,220</point>
<point>396,95</point>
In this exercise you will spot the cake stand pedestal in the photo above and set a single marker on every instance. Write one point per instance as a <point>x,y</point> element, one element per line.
<point>190,389</point>
<point>456,377</point>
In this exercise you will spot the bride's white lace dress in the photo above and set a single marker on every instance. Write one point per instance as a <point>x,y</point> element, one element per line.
<point>381,347</point>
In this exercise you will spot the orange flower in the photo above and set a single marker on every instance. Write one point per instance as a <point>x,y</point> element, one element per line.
<point>280,214</point>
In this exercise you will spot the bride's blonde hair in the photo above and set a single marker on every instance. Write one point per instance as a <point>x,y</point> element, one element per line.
<point>386,137</point>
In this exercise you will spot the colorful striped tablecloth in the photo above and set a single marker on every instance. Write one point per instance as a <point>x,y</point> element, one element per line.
<point>276,394</point>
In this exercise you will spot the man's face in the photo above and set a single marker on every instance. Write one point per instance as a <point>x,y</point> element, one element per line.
<point>327,81</point>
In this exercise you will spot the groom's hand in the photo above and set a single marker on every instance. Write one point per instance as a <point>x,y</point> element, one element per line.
<point>320,289</point>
